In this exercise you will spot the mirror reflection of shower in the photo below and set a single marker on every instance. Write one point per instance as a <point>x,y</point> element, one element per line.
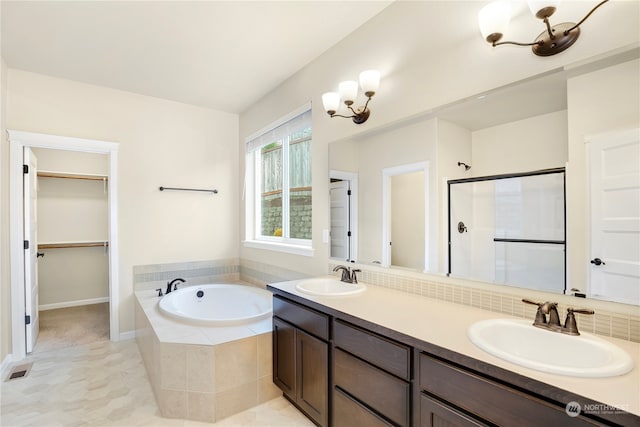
<point>509,229</point>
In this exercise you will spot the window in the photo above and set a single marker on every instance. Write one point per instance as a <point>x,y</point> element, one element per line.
<point>279,184</point>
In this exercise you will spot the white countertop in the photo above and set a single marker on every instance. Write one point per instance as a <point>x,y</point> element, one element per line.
<point>445,324</point>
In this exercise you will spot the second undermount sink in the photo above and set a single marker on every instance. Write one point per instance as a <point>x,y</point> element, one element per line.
<point>329,286</point>
<point>519,342</point>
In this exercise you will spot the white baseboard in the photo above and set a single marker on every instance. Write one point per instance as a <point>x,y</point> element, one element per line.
<point>76,303</point>
<point>5,365</point>
<point>127,335</point>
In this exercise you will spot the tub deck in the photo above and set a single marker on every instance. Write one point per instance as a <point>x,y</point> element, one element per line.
<point>203,373</point>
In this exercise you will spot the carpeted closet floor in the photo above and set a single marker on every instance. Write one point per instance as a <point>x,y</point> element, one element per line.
<point>66,327</point>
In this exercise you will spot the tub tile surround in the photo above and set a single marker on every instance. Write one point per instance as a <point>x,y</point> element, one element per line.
<point>624,325</point>
<point>201,373</point>
<point>155,276</point>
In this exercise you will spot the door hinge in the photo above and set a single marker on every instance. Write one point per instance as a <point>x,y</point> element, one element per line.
<point>25,168</point>
<point>26,244</point>
<point>348,192</point>
<point>348,233</point>
<point>27,319</point>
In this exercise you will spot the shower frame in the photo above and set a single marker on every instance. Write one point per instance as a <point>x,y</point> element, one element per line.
<point>561,170</point>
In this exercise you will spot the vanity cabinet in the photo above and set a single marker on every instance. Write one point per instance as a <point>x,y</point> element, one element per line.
<point>454,396</point>
<point>301,357</point>
<point>343,371</point>
<point>371,378</point>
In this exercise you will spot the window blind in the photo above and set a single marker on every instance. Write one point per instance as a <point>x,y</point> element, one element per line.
<point>292,123</point>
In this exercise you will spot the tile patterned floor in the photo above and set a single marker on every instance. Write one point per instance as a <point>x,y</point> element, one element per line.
<point>105,384</point>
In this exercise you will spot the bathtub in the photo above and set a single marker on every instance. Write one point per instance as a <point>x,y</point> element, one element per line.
<point>210,355</point>
<point>217,304</point>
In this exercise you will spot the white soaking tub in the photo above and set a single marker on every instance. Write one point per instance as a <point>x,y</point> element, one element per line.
<point>217,304</point>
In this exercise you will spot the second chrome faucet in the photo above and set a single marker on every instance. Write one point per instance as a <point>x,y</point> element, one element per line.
<point>570,326</point>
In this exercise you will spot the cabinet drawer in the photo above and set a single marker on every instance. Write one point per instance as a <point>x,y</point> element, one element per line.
<point>382,352</point>
<point>348,413</point>
<point>377,389</point>
<point>305,318</point>
<point>435,414</point>
<point>490,400</point>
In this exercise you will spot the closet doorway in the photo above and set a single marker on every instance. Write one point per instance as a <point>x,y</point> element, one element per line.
<point>76,240</point>
<point>72,248</point>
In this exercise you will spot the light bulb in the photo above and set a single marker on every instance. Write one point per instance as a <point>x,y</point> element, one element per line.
<point>348,91</point>
<point>331,101</point>
<point>369,82</point>
<point>493,20</point>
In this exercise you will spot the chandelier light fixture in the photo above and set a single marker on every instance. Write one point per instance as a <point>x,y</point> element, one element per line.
<point>348,92</point>
<point>493,20</point>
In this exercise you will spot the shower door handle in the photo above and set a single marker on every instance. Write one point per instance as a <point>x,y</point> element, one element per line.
<point>597,261</point>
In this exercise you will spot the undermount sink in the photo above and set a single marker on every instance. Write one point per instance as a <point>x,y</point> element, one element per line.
<point>329,286</point>
<point>519,342</point>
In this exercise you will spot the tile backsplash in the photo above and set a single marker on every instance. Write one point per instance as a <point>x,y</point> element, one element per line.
<point>607,322</point>
<point>194,272</point>
<point>603,322</point>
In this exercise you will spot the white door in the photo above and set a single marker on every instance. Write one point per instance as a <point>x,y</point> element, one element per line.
<point>30,256</point>
<point>340,233</point>
<point>614,173</point>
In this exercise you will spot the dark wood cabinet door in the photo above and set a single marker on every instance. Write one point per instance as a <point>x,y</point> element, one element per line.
<point>284,357</point>
<point>347,412</point>
<point>312,360</point>
<point>436,414</point>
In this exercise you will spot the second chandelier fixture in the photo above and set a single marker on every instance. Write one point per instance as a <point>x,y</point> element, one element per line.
<point>493,20</point>
<point>348,92</point>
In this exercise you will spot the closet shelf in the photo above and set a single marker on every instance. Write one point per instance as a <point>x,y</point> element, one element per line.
<point>66,175</point>
<point>62,245</point>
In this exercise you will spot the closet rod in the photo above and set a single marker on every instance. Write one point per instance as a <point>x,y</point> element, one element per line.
<point>214,191</point>
<point>72,245</point>
<point>43,174</point>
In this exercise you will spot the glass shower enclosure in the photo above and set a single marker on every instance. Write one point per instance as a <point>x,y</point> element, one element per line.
<point>509,229</point>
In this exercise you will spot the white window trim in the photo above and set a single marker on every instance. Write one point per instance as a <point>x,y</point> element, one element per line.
<point>252,200</point>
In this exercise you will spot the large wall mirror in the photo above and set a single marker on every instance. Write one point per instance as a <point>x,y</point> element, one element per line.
<point>521,128</point>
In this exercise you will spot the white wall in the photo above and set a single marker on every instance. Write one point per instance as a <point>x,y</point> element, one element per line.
<point>407,220</point>
<point>5,276</point>
<point>161,143</point>
<point>454,145</point>
<point>598,102</point>
<point>525,145</point>
<point>372,154</point>
<point>415,80</point>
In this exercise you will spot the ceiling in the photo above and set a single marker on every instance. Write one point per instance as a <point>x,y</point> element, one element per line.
<point>223,55</point>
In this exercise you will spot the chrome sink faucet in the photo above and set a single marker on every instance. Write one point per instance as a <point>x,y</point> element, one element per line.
<point>570,326</point>
<point>347,274</point>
